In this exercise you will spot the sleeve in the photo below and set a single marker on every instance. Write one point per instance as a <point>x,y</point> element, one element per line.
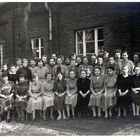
<point>118,82</point>
<point>67,86</point>
<point>91,86</point>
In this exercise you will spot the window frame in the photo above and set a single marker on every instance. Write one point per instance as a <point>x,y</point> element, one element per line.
<point>95,41</point>
<point>39,48</point>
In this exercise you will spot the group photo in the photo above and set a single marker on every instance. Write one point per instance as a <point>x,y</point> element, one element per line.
<point>69,68</point>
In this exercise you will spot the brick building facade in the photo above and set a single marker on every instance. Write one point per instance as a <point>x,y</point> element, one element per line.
<point>81,28</point>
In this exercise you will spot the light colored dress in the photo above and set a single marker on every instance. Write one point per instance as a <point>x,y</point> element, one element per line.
<point>71,85</point>
<point>35,104</point>
<point>96,85</point>
<point>48,100</point>
<point>111,87</point>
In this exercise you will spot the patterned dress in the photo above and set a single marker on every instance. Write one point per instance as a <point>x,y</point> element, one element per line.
<point>21,90</point>
<point>7,89</point>
<point>48,99</point>
<point>35,88</point>
<point>71,85</point>
<point>111,88</point>
<point>59,87</point>
<point>96,85</point>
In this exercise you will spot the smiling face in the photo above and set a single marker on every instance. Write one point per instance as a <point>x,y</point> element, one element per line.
<point>49,76</point>
<point>32,63</point>
<point>97,71</point>
<point>110,72</point>
<point>136,58</point>
<point>13,69</point>
<point>72,74</point>
<point>124,56</point>
<point>5,67</point>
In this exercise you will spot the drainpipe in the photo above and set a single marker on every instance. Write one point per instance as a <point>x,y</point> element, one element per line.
<point>50,24</point>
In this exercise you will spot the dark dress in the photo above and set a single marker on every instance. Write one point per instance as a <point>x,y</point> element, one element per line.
<point>21,90</point>
<point>82,103</point>
<point>26,72</point>
<point>135,83</point>
<point>59,87</point>
<point>124,83</point>
<point>12,77</point>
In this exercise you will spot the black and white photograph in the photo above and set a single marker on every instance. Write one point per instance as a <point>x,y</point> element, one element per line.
<point>69,68</point>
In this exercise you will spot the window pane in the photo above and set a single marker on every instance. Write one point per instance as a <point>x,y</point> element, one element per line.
<point>90,47</point>
<point>90,35</point>
<point>80,48</point>
<point>36,43</point>
<point>42,51</point>
<point>80,36</point>
<point>42,43</point>
<point>100,46</point>
<point>100,34</point>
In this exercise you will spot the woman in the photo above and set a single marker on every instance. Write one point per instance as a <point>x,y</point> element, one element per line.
<point>59,100</point>
<point>6,95</point>
<point>83,89</point>
<point>12,74</point>
<point>48,95</point>
<point>21,92</point>
<point>110,91</point>
<point>35,101</point>
<point>71,96</point>
<point>41,70</point>
<point>97,91</point>
<point>124,87</point>
<point>135,94</point>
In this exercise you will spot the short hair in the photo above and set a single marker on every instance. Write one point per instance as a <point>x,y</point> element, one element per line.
<point>118,51</point>
<point>24,60</point>
<point>5,74</point>
<point>111,67</point>
<point>18,59</point>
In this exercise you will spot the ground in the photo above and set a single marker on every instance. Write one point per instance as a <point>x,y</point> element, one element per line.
<point>72,127</point>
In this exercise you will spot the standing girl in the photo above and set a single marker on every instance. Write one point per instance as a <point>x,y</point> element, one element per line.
<point>97,90</point>
<point>60,91</point>
<point>71,97</point>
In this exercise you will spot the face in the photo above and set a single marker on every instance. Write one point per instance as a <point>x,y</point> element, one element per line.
<point>136,58</point>
<point>49,76</point>
<point>125,70</point>
<point>13,69</point>
<point>60,76</point>
<point>40,63</point>
<point>117,55</point>
<point>83,74</point>
<point>73,63</point>
<point>100,61</point>
<point>4,67</point>
<point>106,55</point>
<point>22,79</point>
<point>93,58</point>
<point>111,60</point>
<point>137,70</point>
<point>72,74</point>
<point>85,60</point>
<point>124,56</point>
<point>59,61</point>
<point>5,78</point>
<point>44,58</point>
<point>25,63</point>
<point>19,62</point>
<point>97,72</point>
<point>78,59</point>
<point>67,61</point>
<point>54,56</point>
<point>52,62</point>
<point>110,71</point>
<point>32,63</point>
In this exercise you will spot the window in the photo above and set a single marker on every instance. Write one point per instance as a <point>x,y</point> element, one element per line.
<point>89,41</point>
<point>37,47</point>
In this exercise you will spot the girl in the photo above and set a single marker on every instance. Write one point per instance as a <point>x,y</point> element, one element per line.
<point>59,100</point>
<point>35,101</point>
<point>6,94</point>
<point>97,90</point>
<point>12,74</point>
<point>124,87</point>
<point>71,97</point>
<point>83,89</point>
<point>135,94</point>
<point>110,91</point>
<point>21,100</point>
<point>48,95</point>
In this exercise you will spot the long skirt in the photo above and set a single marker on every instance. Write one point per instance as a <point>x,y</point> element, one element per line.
<point>48,101</point>
<point>109,100</point>
<point>34,104</point>
<point>21,103</point>
<point>95,100</point>
<point>71,100</point>
<point>124,101</point>
<point>59,102</point>
<point>135,98</point>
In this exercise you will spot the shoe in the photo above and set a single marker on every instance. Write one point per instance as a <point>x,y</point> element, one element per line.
<point>59,118</point>
<point>64,117</point>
